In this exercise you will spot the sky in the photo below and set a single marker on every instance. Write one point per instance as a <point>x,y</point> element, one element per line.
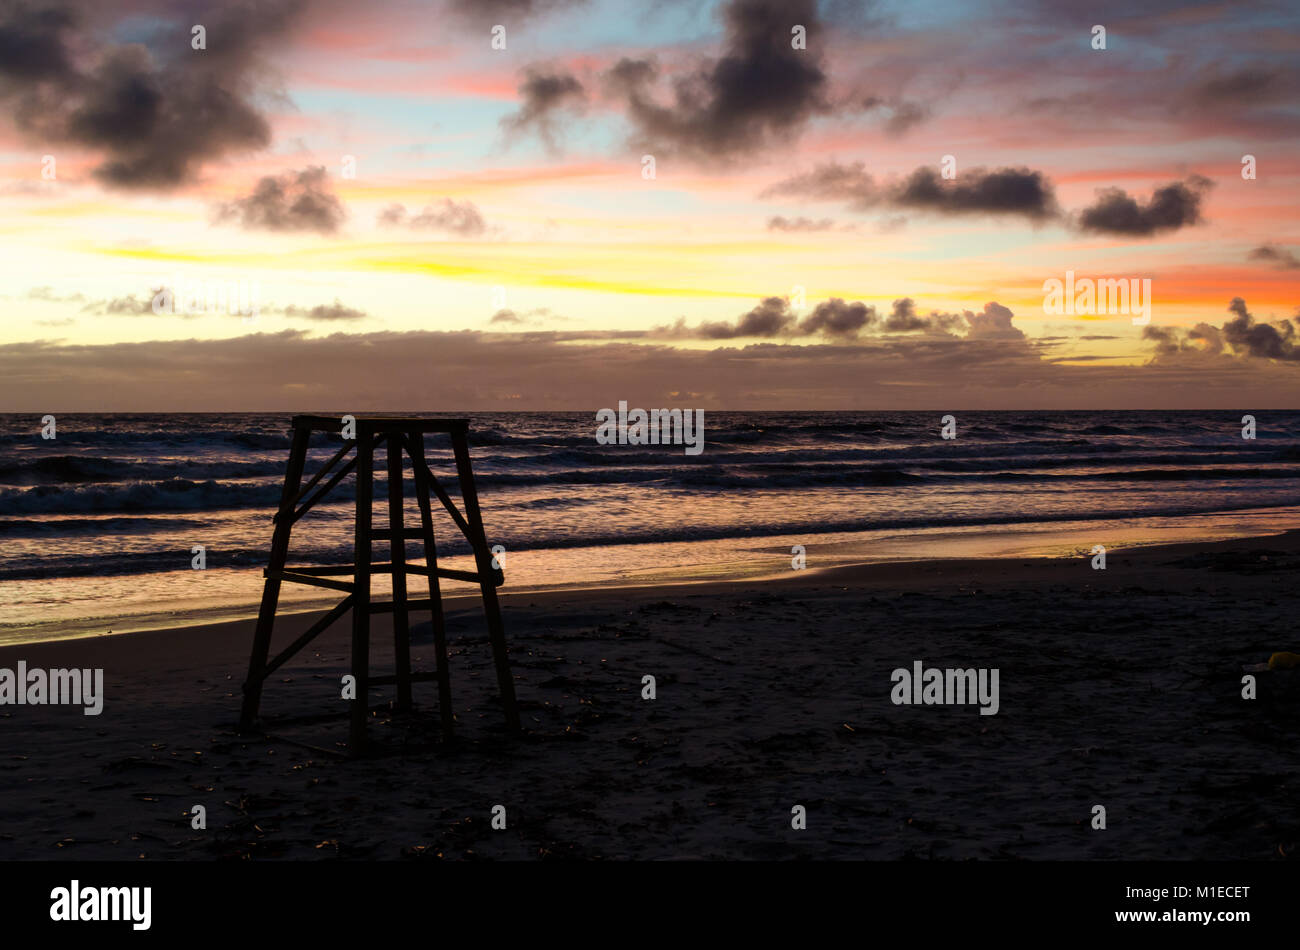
<point>561,204</point>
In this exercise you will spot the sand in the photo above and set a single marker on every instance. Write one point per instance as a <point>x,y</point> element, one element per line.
<point>1119,688</point>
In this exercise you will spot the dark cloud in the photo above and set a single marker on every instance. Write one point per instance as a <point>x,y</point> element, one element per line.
<point>295,201</point>
<point>770,318</point>
<point>1280,257</point>
<point>779,223</point>
<point>1273,341</point>
<point>1173,206</point>
<point>759,92</point>
<point>902,317</point>
<point>34,41</point>
<point>1018,191</point>
<point>544,93</point>
<point>835,317</point>
<point>1013,191</point>
<point>157,114</point>
<point>454,217</point>
<point>1241,336</point>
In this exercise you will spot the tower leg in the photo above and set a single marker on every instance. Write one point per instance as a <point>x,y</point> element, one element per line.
<point>397,549</point>
<point>415,446</point>
<point>361,591</point>
<point>483,558</point>
<point>271,590</point>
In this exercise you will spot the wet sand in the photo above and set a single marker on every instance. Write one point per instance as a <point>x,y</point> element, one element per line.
<point>1119,688</point>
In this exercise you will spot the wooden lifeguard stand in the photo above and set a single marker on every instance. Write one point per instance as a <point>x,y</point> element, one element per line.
<point>398,435</point>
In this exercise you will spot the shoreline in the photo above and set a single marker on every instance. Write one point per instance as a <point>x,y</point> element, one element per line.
<point>905,572</point>
<point>767,560</point>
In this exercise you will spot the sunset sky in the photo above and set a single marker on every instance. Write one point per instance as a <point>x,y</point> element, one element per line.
<point>431,223</point>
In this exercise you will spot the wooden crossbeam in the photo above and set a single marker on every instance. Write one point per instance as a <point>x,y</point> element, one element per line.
<point>311,633</point>
<point>338,477</point>
<point>296,577</point>
<point>422,470</point>
<point>347,447</point>
<point>498,577</point>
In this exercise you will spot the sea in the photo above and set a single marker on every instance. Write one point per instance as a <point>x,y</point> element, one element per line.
<point>100,526</point>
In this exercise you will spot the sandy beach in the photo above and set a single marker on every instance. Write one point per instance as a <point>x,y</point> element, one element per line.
<point>1120,688</point>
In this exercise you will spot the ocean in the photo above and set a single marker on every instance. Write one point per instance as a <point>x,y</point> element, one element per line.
<point>99,524</point>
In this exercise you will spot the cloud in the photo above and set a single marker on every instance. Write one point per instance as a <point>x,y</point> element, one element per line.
<point>901,115</point>
<point>1241,336</point>
<point>129,305</point>
<point>903,318</point>
<point>992,323</point>
<point>1177,344</point>
<point>47,294</point>
<point>504,11</point>
<point>830,182</point>
<point>535,316</point>
<point>769,318</point>
<point>544,94</point>
<point>156,115</point>
<point>1017,191</point>
<point>837,318</point>
<point>1011,191</point>
<point>33,41</point>
<point>463,218</point>
<point>325,312</point>
<point>293,370</point>
<point>1243,86</point>
<point>779,223</point>
<point>1274,341</point>
<point>1173,206</point>
<point>760,92</point>
<point>1280,257</point>
<point>295,201</point>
